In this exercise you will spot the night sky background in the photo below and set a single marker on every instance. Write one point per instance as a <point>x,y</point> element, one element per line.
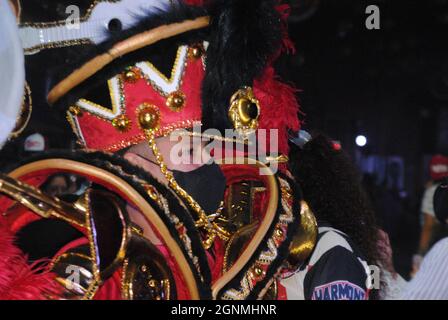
<point>390,85</point>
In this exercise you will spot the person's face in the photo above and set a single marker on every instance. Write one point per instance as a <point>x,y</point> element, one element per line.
<point>57,187</point>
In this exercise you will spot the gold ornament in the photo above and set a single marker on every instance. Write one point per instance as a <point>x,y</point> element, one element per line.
<point>176,101</point>
<point>75,111</point>
<point>279,233</point>
<point>122,123</point>
<point>244,111</point>
<point>258,272</point>
<point>196,51</point>
<point>148,116</point>
<point>153,283</point>
<point>132,75</point>
<point>152,193</point>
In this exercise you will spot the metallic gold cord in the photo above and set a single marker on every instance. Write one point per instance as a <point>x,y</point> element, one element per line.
<point>204,222</point>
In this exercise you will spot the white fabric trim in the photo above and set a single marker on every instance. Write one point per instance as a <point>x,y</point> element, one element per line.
<point>159,80</point>
<point>12,76</point>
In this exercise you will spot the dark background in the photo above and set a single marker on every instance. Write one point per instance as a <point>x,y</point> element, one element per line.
<point>390,85</point>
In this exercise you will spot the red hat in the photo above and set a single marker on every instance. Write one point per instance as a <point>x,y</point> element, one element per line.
<point>438,167</point>
<point>173,103</point>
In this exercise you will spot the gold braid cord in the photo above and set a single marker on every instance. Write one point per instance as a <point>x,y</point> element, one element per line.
<point>204,222</point>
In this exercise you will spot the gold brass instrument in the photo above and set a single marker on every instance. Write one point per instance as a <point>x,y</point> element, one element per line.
<point>40,203</point>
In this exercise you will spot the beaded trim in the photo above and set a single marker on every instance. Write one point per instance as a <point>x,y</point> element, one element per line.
<point>268,256</point>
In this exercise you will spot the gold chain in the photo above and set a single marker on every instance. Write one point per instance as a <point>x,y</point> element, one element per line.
<point>205,222</point>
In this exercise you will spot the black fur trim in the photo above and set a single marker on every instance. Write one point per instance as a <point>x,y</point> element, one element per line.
<point>100,159</point>
<point>244,36</point>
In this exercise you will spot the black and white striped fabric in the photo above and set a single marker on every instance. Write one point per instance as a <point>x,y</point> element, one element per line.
<point>335,271</point>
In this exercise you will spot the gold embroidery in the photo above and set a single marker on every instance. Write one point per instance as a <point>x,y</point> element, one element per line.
<point>58,44</point>
<point>122,123</point>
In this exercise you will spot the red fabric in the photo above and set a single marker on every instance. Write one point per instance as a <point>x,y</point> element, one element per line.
<point>18,279</point>
<point>278,101</point>
<point>181,288</point>
<point>18,217</point>
<point>287,44</point>
<point>281,295</point>
<point>75,243</point>
<point>438,167</point>
<point>111,288</point>
<point>195,2</point>
<point>217,262</point>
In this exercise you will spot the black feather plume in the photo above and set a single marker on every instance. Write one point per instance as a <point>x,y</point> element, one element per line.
<point>244,36</point>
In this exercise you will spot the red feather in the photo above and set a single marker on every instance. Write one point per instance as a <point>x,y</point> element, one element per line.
<point>280,108</point>
<point>287,44</point>
<point>20,280</point>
